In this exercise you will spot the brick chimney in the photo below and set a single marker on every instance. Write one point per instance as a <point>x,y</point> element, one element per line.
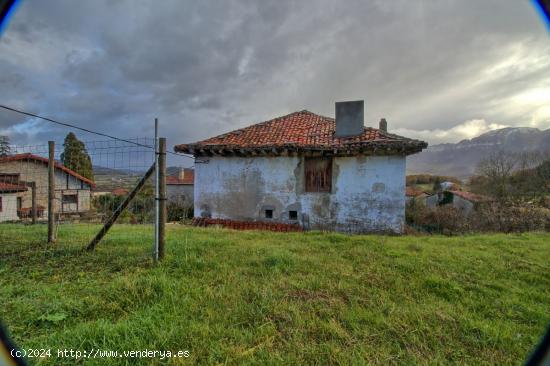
<point>383,125</point>
<point>349,118</point>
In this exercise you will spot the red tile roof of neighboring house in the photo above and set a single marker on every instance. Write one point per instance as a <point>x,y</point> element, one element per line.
<point>302,131</point>
<point>119,192</point>
<point>189,178</point>
<point>470,196</point>
<point>11,188</point>
<point>32,157</point>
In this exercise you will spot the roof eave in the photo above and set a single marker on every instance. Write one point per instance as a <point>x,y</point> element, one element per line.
<point>381,147</point>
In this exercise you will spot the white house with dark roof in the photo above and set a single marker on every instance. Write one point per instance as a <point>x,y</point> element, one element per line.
<point>319,172</point>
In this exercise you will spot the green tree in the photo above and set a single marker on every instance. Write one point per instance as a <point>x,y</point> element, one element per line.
<point>75,156</point>
<point>5,148</point>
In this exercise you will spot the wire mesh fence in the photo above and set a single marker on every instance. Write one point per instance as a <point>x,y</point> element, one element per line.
<point>90,181</point>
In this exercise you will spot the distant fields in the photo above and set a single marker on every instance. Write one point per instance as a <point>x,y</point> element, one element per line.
<point>260,298</point>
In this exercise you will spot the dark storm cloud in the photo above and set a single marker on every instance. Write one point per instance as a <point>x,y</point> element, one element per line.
<point>207,67</point>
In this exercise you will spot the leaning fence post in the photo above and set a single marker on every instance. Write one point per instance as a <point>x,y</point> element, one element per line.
<point>162,195</point>
<point>51,191</point>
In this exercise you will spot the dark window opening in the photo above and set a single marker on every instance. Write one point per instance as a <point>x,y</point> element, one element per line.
<point>268,214</point>
<point>318,174</point>
<point>293,215</point>
<point>19,203</point>
<point>70,198</point>
<point>0,204</point>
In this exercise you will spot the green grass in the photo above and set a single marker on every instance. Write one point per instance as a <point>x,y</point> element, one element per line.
<point>264,298</point>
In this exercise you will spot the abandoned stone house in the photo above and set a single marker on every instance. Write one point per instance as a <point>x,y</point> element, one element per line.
<point>30,173</point>
<point>306,169</point>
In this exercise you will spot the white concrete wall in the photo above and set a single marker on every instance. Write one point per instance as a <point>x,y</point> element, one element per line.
<point>9,207</point>
<point>368,193</point>
<point>462,204</point>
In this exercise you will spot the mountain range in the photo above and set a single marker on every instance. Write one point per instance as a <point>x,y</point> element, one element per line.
<point>460,159</point>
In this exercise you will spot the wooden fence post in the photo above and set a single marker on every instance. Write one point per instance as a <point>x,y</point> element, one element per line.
<point>118,211</point>
<point>33,201</point>
<point>162,195</point>
<point>51,191</point>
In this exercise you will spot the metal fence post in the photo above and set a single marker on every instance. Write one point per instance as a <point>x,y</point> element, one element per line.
<point>51,191</point>
<point>162,196</point>
<point>157,196</point>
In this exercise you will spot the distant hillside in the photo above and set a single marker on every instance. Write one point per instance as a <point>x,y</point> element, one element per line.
<point>460,159</point>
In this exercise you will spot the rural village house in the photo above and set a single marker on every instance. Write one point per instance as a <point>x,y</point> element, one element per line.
<point>462,200</point>
<point>30,172</point>
<point>416,195</point>
<point>179,188</point>
<point>308,170</point>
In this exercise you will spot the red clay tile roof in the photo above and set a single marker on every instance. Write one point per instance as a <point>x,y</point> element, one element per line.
<point>119,192</point>
<point>470,196</point>
<point>11,188</point>
<point>302,130</point>
<point>188,179</point>
<point>32,157</point>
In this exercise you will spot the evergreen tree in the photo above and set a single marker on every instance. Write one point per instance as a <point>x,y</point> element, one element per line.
<point>76,157</point>
<point>5,148</point>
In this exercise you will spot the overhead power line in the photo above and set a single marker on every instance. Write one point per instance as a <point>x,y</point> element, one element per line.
<point>85,129</point>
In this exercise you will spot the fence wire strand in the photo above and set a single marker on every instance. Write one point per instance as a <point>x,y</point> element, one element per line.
<point>88,187</point>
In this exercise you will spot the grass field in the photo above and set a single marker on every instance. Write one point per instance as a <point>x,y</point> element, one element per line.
<point>254,298</point>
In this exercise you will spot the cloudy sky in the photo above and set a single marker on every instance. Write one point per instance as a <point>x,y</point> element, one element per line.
<point>438,70</point>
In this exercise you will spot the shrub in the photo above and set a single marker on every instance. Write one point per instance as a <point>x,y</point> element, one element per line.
<point>486,217</point>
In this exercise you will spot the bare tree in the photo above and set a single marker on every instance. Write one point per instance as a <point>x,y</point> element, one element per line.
<point>497,168</point>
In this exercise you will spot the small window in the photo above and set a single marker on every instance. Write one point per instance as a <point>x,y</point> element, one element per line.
<point>0,204</point>
<point>268,214</point>
<point>70,198</point>
<point>318,174</point>
<point>293,215</point>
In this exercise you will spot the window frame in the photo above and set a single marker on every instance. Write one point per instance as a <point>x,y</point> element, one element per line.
<point>318,179</point>
<point>69,195</point>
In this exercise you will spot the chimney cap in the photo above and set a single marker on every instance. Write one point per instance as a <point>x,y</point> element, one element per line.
<point>349,118</point>
<point>383,125</point>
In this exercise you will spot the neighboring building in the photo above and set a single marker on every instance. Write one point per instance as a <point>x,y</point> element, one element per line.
<point>303,168</point>
<point>447,185</point>
<point>73,191</point>
<point>462,200</point>
<point>179,188</point>
<point>417,195</point>
<point>118,192</point>
<point>9,200</point>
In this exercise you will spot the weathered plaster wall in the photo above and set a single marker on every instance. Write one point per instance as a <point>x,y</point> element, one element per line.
<point>368,193</point>
<point>462,204</point>
<point>9,207</point>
